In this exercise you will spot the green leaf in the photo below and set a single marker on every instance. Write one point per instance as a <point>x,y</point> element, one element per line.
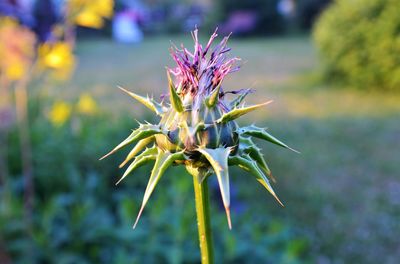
<point>238,100</point>
<point>138,147</point>
<point>163,161</point>
<point>247,146</point>
<point>238,112</point>
<point>258,132</point>
<point>245,143</point>
<point>212,100</point>
<point>146,156</point>
<point>174,97</point>
<point>142,132</point>
<point>248,164</point>
<point>218,159</point>
<point>148,102</point>
<point>255,154</point>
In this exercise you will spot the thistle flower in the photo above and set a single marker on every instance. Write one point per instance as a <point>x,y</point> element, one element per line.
<point>198,127</point>
<point>58,58</point>
<point>86,104</point>
<point>60,113</point>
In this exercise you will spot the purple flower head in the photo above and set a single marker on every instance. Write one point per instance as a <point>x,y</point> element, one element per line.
<point>201,72</point>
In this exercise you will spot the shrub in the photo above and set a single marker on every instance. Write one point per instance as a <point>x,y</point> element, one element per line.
<point>359,43</point>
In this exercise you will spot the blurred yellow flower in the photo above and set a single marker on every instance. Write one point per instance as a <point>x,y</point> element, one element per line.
<point>57,57</point>
<point>60,113</point>
<point>90,13</point>
<point>86,104</point>
<point>17,48</point>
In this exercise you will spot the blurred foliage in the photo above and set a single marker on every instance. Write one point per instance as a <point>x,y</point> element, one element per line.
<point>359,43</point>
<point>81,217</point>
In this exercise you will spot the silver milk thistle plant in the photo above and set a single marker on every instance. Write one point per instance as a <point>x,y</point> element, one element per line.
<point>198,130</point>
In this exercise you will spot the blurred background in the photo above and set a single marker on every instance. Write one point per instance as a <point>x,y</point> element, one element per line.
<point>331,67</point>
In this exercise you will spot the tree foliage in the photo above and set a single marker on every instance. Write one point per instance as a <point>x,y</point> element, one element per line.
<point>359,43</point>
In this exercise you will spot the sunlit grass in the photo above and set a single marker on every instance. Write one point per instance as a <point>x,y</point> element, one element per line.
<point>274,67</point>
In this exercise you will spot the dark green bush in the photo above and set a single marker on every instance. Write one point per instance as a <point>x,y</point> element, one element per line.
<point>359,43</point>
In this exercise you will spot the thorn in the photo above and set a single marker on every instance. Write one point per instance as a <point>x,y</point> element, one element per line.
<point>124,90</point>
<point>292,149</point>
<point>108,154</point>
<point>138,216</point>
<point>267,102</point>
<point>119,181</point>
<point>272,178</point>
<point>279,201</point>
<point>123,163</point>
<point>228,217</point>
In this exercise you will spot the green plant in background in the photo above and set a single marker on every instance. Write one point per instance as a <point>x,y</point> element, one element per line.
<point>359,43</point>
<point>25,58</point>
<point>198,130</point>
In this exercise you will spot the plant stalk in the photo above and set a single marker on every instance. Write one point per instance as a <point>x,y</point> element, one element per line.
<point>203,220</point>
<point>5,124</point>
<point>21,102</point>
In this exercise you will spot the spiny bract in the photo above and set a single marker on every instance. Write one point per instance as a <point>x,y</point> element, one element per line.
<point>198,128</point>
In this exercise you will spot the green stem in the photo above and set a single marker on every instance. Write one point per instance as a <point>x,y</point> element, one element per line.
<point>21,104</point>
<point>203,220</point>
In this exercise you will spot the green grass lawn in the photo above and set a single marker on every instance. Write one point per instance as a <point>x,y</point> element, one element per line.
<point>342,192</point>
<point>283,69</point>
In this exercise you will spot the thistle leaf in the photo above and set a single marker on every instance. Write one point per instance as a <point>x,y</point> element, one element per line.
<point>163,161</point>
<point>256,155</point>
<point>148,102</point>
<point>218,159</point>
<point>248,164</point>
<point>212,100</point>
<point>146,156</point>
<point>142,132</point>
<point>238,112</point>
<point>174,97</point>
<point>138,147</point>
<point>247,146</point>
<point>245,143</point>
<point>258,132</point>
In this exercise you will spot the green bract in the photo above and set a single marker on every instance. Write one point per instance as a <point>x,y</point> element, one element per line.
<point>198,127</point>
